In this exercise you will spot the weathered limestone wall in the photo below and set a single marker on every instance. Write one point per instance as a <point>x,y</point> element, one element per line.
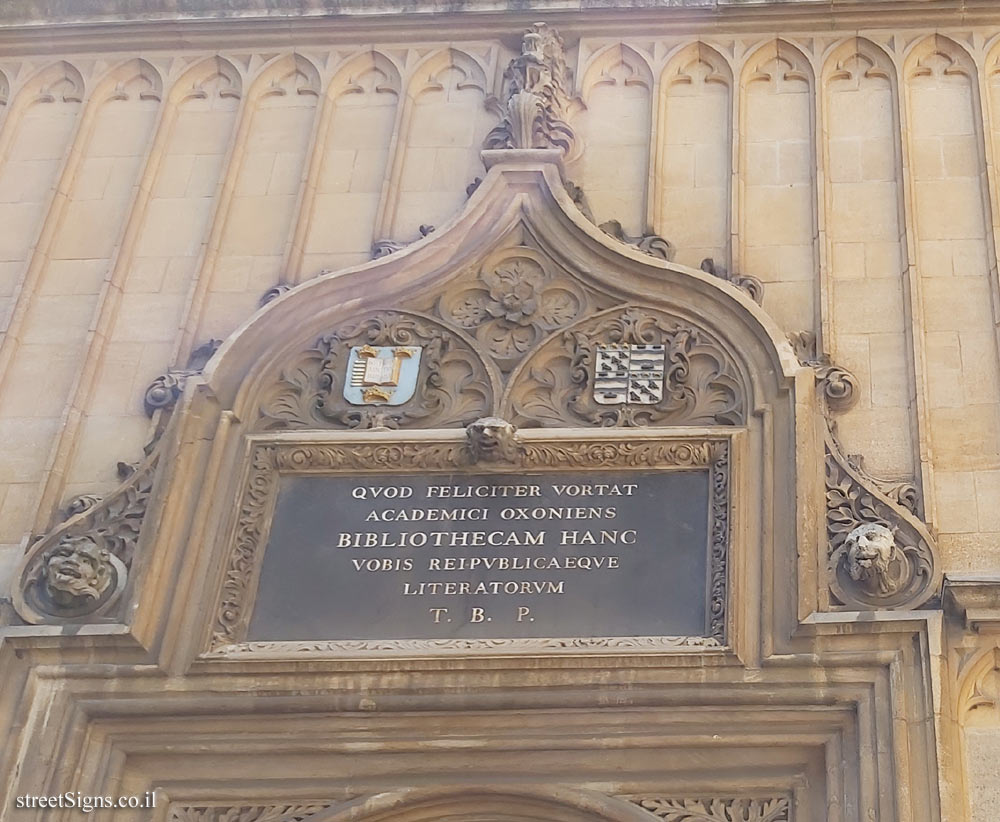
<point>148,202</point>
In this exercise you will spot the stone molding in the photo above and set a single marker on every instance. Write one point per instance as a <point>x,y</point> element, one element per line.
<point>271,460</point>
<point>665,807</point>
<point>975,600</point>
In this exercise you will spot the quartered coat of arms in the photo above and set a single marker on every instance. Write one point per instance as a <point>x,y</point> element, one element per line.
<point>628,374</point>
<point>382,375</point>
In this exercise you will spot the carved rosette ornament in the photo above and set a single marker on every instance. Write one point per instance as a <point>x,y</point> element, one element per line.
<point>78,571</point>
<point>535,96</point>
<point>513,304</point>
<point>879,554</point>
<point>453,385</point>
<point>629,367</point>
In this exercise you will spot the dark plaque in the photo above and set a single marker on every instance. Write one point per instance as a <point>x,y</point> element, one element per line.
<point>487,556</point>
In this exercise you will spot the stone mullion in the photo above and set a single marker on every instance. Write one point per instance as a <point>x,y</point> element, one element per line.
<point>202,279</point>
<point>737,193</point>
<point>291,267</point>
<point>991,186</point>
<point>385,216</point>
<point>105,314</point>
<point>38,254</point>
<point>822,244</point>
<point>913,299</point>
<point>654,162</point>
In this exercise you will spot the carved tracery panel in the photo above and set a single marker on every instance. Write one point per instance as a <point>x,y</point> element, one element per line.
<point>454,386</point>
<point>561,383</point>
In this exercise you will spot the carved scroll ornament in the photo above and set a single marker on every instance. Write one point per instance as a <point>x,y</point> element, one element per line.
<point>535,96</point>
<point>879,554</point>
<point>454,386</point>
<point>648,243</point>
<point>751,286</point>
<point>164,391</point>
<point>839,388</point>
<point>700,384</point>
<point>78,571</point>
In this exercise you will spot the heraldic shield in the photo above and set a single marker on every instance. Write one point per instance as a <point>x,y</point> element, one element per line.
<point>381,375</point>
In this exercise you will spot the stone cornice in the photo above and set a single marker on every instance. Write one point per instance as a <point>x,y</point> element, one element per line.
<point>52,26</point>
<point>975,599</point>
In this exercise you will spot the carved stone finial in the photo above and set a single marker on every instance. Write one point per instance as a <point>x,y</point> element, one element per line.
<point>383,248</point>
<point>274,293</point>
<point>535,97</point>
<point>492,439</point>
<point>753,287</point>
<point>76,570</point>
<point>840,389</point>
<point>579,198</point>
<point>649,243</point>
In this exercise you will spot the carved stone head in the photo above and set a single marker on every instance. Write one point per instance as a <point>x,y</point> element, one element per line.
<point>871,554</point>
<point>77,570</point>
<point>492,439</point>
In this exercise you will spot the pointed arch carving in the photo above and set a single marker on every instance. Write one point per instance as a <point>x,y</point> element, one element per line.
<point>136,79</point>
<point>59,82</point>
<point>695,209</point>
<point>859,59</point>
<point>979,686</point>
<point>778,62</point>
<point>353,76</point>
<point>615,64</point>
<point>288,74</point>
<point>214,76</point>
<point>938,56</point>
<point>697,60</point>
<point>427,75</point>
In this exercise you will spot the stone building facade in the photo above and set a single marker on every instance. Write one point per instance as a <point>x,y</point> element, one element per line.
<point>171,177</point>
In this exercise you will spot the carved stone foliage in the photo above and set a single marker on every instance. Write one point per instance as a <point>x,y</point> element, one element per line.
<point>701,384</point>
<point>535,96</point>
<point>269,461</point>
<point>879,554</point>
<point>753,287</point>
<point>453,387</point>
<point>245,813</point>
<point>901,491</point>
<point>772,809</point>
<point>839,388</point>
<point>513,303</point>
<point>78,571</point>
<point>651,244</point>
